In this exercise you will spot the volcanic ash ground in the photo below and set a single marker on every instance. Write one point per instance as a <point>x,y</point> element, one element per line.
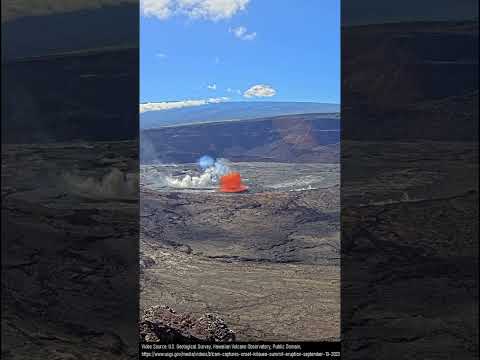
<point>266,260</point>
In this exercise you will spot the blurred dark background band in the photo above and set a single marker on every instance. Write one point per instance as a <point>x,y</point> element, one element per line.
<point>409,170</point>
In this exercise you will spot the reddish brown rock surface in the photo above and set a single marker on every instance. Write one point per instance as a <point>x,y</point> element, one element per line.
<point>163,324</point>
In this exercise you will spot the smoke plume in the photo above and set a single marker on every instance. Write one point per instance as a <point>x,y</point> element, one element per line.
<point>115,184</point>
<point>212,171</point>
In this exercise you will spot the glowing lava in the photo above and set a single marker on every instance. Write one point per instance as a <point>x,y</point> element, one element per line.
<point>232,182</point>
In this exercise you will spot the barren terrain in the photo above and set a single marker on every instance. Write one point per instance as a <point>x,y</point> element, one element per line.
<point>267,260</point>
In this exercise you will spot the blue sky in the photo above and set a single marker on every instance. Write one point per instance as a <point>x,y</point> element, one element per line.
<point>282,50</point>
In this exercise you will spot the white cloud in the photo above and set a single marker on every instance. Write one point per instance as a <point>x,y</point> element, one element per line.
<point>217,100</point>
<point>161,9</point>
<point>260,90</point>
<point>212,87</point>
<point>162,56</point>
<point>211,9</point>
<point>196,9</point>
<point>250,36</point>
<point>167,105</point>
<point>217,60</point>
<point>242,33</point>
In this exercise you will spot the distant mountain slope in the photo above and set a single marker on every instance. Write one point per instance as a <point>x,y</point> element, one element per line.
<point>100,87</point>
<point>231,111</point>
<point>289,138</point>
<point>425,81</point>
<point>72,31</point>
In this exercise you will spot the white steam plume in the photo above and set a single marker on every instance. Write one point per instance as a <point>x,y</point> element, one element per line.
<point>212,171</point>
<point>115,184</point>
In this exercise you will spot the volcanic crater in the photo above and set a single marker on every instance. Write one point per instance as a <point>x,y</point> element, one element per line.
<point>266,260</point>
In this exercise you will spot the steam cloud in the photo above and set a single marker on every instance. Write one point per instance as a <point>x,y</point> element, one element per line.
<point>212,171</point>
<point>115,184</point>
